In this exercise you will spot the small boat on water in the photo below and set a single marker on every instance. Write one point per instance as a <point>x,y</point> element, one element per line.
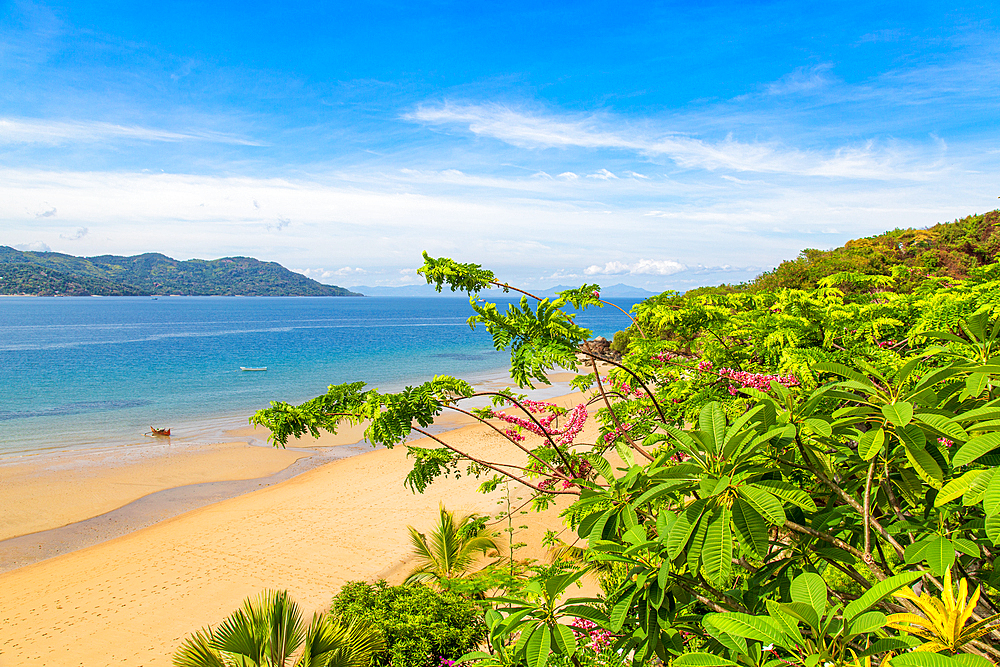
<point>158,431</point>
<point>245,368</point>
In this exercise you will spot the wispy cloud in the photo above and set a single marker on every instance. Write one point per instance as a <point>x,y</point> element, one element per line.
<point>642,267</point>
<point>59,132</point>
<point>538,130</point>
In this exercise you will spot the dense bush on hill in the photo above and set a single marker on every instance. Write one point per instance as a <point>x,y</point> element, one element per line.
<point>949,249</point>
<point>45,273</point>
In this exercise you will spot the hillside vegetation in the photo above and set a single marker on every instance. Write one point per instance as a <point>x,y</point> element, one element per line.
<point>52,273</point>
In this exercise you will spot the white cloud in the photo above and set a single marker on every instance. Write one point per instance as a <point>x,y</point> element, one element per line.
<point>602,174</point>
<point>75,236</point>
<point>348,271</point>
<point>59,132</point>
<point>47,213</point>
<point>642,267</point>
<point>552,130</point>
<point>278,224</point>
<point>36,246</point>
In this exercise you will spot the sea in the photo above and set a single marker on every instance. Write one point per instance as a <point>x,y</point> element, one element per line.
<point>83,372</point>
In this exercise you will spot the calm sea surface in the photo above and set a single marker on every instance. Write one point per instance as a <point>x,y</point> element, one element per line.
<point>86,371</point>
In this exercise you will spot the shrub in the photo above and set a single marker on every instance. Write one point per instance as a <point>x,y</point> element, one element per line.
<point>419,625</point>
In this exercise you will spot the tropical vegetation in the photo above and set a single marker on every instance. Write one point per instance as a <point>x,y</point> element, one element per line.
<point>453,549</point>
<point>786,473</point>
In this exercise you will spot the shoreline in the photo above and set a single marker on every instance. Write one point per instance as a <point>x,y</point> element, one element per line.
<point>132,599</point>
<point>80,498</point>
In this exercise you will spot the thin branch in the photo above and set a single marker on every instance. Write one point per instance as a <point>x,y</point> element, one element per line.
<point>867,513</point>
<point>532,418</point>
<point>641,332</point>
<point>491,466</point>
<point>510,439</point>
<point>853,574</point>
<point>618,424</point>
<point>506,287</point>
<point>638,379</point>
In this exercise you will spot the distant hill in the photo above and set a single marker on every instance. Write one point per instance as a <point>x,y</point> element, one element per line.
<point>53,273</point>
<point>948,249</point>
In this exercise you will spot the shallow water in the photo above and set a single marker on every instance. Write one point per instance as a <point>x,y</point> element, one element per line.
<point>88,371</point>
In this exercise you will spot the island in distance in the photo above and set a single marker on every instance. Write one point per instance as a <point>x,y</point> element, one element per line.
<point>56,274</point>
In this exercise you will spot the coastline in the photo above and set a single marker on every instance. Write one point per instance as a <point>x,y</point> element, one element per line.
<point>343,520</point>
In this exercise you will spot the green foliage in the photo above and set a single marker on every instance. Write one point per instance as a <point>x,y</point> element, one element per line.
<point>268,631</point>
<point>418,625</point>
<point>109,275</point>
<point>452,550</point>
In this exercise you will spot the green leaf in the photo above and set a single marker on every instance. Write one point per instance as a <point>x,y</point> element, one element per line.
<point>967,547</point>
<point>978,489</point>
<point>766,504</point>
<point>809,588</point>
<point>750,528</point>
<point>760,628</point>
<point>867,622</point>
<point>956,488</point>
<point>787,492</point>
<point>565,640</point>
<point>717,554</point>
<point>914,553</point>
<point>871,443</point>
<point>687,522</point>
<point>820,426</point>
<point>940,555</point>
<point>943,425</point>
<point>925,465</point>
<point>973,449</point>
<point>991,498</point>
<point>537,649</point>
<point>899,413</point>
<point>712,422</point>
<point>911,435</point>
<point>788,614</point>
<point>927,659</point>
<point>993,528</point>
<point>702,660</point>
<point>620,611</point>
<point>880,590</point>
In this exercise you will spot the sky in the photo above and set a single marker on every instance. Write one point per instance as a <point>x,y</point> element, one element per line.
<point>661,145</point>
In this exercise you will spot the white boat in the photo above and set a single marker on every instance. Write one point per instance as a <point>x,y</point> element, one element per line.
<point>244,368</point>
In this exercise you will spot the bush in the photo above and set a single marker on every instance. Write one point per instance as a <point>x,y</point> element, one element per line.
<point>418,624</point>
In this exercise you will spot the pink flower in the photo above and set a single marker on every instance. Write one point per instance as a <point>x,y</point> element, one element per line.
<point>704,365</point>
<point>759,381</point>
<point>946,442</point>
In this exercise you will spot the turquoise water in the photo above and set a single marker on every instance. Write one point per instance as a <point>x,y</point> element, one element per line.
<point>86,371</point>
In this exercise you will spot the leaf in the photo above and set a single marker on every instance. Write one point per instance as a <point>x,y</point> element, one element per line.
<point>717,554</point>
<point>993,528</point>
<point>871,443</point>
<point>867,622</point>
<point>702,660</point>
<point>750,528</point>
<point>565,639</point>
<point>911,435</point>
<point>978,489</point>
<point>685,525</point>
<point>879,591</point>
<point>766,504</point>
<point>537,649</point>
<point>973,449</point>
<point>914,553</point>
<point>925,465</point>
<point>787,492</point>
<point>820,426</point>
<point>943,425</point>
<point>759,628</point>
<point>991,498</point>
<point>797,611</point>
<point>712,422</point>
<point>620,611</point>
<point>926,659</point>
<point>967,547</point>
<point>956,488</point>
<point>940,555</point>
<point>809,588</point>
<point>899,413</point>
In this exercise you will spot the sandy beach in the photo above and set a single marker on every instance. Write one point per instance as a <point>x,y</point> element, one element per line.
<point>133,599</point>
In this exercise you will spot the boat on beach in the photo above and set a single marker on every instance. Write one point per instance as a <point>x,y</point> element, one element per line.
<point>153,431</point>
<point>246,368</point>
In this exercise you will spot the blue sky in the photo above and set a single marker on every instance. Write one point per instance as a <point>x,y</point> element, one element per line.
<point>660,145</point>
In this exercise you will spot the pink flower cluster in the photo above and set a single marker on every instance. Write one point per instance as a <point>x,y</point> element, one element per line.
<point>574,423</point>
<point>665,356</point>
<point>760,381</point>
<point>616,433</point>
<point>946,442</point>
<point>586,630</point>
<point>582,471</point>
<point>704,365</point>
<point>625,389</point>
<point>886,343</point>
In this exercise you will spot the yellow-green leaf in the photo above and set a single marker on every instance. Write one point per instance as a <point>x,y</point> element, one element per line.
<point>956,488</point>
<point>871,443</point>
<point>899,413</point>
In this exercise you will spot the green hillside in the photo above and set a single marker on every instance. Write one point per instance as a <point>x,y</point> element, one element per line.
<point>51,273</point>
